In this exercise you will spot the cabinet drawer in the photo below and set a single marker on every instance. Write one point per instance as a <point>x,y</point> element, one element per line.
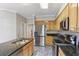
<point>26,52</point>
<point>28,49</point>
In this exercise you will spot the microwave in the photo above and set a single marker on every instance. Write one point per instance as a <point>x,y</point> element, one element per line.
<point>64,24</point>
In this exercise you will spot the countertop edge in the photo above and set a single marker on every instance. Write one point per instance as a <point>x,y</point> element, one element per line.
<point>19,48</point>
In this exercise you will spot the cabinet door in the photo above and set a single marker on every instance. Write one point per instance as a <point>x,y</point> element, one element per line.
<point>78,19</point>
<point>49,25</point>
<point>72,16</point>
<point>30,49</point>
<point>26,50</point>
<point>49,40</point>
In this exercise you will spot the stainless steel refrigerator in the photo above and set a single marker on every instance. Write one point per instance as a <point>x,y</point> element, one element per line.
<point>40,31</point>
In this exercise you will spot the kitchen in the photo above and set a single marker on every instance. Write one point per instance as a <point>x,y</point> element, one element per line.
<point>27,29</point>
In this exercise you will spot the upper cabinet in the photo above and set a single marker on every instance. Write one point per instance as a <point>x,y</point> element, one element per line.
<point>70,13</point>
<point>72,16</point>
<point>64,13</point>
<point>78,19</point>
<point>50,25</point>
<point>61,16</point>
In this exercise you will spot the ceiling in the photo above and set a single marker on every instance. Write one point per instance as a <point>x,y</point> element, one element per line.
<point>33,9</point>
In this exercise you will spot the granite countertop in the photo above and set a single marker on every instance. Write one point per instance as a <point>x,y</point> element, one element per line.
<point>70,50</point>
<point>67,48</point>
<point>8,48</point>
<point>51,32</point>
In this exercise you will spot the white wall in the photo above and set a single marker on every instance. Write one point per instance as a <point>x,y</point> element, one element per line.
<point>21,26</point>
<point>7,26</point>
<point>30,28</point>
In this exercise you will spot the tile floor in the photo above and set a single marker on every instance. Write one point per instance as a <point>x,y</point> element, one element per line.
<point>44,51</point>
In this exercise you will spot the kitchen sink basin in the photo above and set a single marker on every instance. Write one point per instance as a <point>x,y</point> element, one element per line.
<point>58,41</point>
<point>67,42</point>
<point>20,42</point>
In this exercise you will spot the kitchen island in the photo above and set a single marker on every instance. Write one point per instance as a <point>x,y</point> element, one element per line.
<point>21,47</point>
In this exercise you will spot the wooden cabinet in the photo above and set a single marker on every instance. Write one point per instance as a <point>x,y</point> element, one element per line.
<point>72,16</point>
<point>60,53</point>
<point>50,25</point>
<point>25,50</point>
<point>28,49</point>
<point>58,20</point>
<point>49,40</point>
<point>61,16</point>
<point>78,18</point>
<point>65,12</point>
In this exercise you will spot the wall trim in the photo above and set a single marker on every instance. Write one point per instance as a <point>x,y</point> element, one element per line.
<point>12,11</point>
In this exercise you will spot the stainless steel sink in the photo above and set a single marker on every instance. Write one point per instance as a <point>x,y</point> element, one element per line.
<point>20,42</point>
<point>58,41</point>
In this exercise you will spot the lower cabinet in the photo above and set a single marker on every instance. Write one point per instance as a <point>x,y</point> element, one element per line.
<point>49,40</point>
<point>25,50</point>
<point>60,52</point>
<point>28,49</point>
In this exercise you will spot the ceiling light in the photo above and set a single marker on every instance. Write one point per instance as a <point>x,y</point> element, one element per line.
<point>26,4</point>
<point>44,5</point>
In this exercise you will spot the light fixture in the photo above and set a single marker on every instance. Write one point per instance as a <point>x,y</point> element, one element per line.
<point>25,4</point>
<point>44,5</point>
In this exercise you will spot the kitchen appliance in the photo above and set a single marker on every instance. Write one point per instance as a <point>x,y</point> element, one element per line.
<point>73,39</point>
<point>64,24</point>
<point>40,36</point>
<point>36,39</point>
